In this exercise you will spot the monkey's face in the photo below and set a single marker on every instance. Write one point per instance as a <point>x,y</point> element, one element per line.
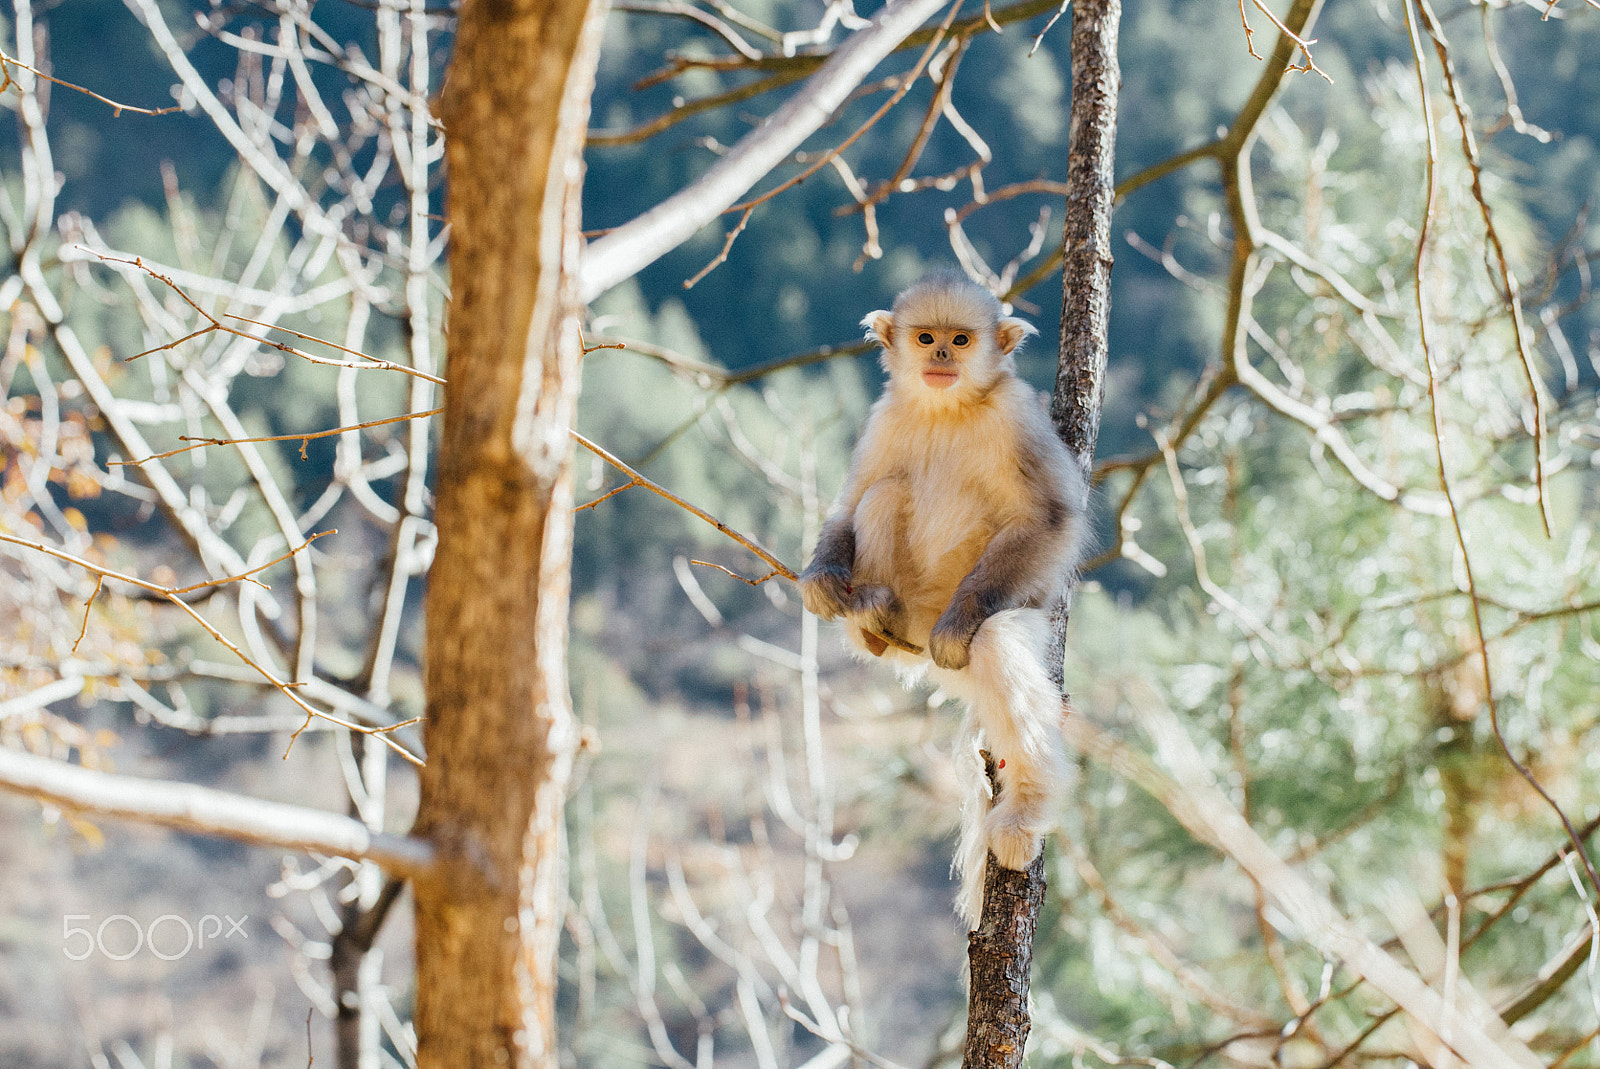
<point>945,341</point>
<point>942,355</point>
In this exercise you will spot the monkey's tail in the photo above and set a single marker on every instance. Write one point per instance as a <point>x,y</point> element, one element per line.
<point>1013,709</point>
<point>972,850</point>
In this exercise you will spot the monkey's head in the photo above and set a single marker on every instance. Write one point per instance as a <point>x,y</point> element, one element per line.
<point>945,339</point>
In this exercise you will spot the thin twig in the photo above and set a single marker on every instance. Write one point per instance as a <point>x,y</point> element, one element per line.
<point>778,567</point>
<point>721,257</point>
<point>99,581</point>
<point>689,11</point>
<point>883,109</point>
<point>1508,280</point>
<point>371,363</point>
<point>729,571</point>
<point>1430,361</point>
<point>175,596</point>
<point>1301,43</point>
<point>117,107</point>
<point>303,439</point>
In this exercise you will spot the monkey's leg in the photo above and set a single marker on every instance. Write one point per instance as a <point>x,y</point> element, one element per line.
<point>879,517</point>
<point>1018,708</point>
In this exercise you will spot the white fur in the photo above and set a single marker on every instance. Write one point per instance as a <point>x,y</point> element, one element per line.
<point>1014,711</point>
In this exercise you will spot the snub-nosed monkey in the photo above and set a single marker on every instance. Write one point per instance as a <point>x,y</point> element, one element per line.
<point>961,518</point>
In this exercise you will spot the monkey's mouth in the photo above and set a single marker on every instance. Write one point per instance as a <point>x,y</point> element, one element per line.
<point>940,378</point>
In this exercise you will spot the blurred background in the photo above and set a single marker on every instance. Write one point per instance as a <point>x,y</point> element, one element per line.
<point>759,829</point>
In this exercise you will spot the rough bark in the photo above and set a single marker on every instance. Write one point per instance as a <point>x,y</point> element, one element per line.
<point>1000,958</point>
<point>500,733</point>
<point>1000,952</point>
<point>1086,237</point>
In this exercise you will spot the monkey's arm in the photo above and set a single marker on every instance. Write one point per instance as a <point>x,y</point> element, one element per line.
<point>1026,562</point>
<point>825,584</point>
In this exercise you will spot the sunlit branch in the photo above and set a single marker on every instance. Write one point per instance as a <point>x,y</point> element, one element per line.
<point>174,594</point>
<point>778,567</point>
<point>678,9</point>
<point>208,811</point>
<point>1189,791</point>
<point>904,87</point>
<point>629,248</point>
<point>368,363</point>
<point>1301,43</point>
<point>749,206</point>
<point>720,378</point>
<point>303,439</point>
<point>1508,280</point>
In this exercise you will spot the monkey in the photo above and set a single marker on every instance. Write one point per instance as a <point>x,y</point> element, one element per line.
<point>961,518</point>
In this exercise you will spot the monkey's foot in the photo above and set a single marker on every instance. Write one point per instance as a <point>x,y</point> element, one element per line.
<point>950,644</point>
<point>1013,837</point>
<point>878,609</point>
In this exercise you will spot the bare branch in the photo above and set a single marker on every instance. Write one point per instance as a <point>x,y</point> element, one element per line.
<point>626,250</point>
<point>370,364</point>
<point>117,108</point>
<point>1508,280</point>
<point>1189,792</point>
<point>175,596</point>
<point>207,811</point>
<point>201,443</point>
<point>689,11</point>
<point>777,566</point>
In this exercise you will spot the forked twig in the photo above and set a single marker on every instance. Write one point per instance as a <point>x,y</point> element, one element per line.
<point>117,107</point>
<point>777,566</point>
<point>174,594</point>
<point>368,364</point>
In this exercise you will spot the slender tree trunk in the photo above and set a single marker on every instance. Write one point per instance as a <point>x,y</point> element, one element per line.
<point>500,731</point>
<point>1086,236</point>
<point>1000,952</point>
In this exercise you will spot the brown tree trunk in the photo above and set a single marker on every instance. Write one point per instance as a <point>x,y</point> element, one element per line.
<point>1000,952</point>
<point>500,732</point>
<point>1086,235</point>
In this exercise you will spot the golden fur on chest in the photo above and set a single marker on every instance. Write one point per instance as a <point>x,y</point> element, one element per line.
<point>957,482</point>
<point>963,485</point>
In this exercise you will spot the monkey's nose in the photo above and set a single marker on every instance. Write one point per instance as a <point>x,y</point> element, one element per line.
<point>942,354</point>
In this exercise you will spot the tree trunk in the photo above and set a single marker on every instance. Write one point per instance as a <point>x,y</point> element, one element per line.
<point>1086,236</point>
<point>1000,952</point>
<point>500,732</point>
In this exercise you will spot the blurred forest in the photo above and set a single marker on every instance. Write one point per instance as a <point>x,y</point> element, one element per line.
<point>1389,675</point>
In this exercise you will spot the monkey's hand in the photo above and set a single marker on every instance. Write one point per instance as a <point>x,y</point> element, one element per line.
<point>950,642</point>
<point>825,589</point>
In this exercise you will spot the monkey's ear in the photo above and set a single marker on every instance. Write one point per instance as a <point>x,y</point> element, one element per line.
<point>880,328</point>
<point>1010,331</point>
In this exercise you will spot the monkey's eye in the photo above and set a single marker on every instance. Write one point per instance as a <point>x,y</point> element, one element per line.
<point>924,338</point>
<point>961,340</point>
